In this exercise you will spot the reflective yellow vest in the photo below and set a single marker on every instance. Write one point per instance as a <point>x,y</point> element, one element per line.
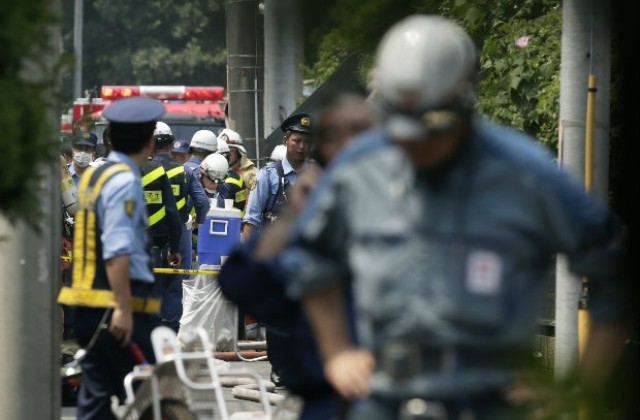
<point>90,286</point>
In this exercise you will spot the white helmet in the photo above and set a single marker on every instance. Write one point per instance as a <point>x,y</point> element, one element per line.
<point>204,139</point>
<point>233,139</point>
<point>223,147</point>
<point>162,134</point>
<point>279,152</point>
<point>437,73</point>
<point>215,167</point>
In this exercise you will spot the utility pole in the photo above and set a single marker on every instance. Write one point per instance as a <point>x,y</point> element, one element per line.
<point>78,24</point>
<point>283,50</point>
<point>244,73</point>
<point>30,317</point>
<point>586,49</point>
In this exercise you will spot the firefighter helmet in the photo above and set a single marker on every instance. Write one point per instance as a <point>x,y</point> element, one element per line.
<point>215,167</point>
<point>162,134</point>
<point>205,140</point>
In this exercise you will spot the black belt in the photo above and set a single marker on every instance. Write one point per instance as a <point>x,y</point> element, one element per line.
<point>405,359</point>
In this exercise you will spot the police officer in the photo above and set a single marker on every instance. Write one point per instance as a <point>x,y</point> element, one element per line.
<point>234,187</point>
<point>185,187</point>
<point>84,151</point>
<point>112,287</point>
<point>238,160</point>
<point>270,194</point>
<point>164,230</point>
<point>180,151</point>
<point>278,153</point>
<point>254,280</point>
<point>448,255</point>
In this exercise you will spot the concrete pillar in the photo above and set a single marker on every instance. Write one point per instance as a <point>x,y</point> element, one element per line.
<point>245,73</point>
<point>30,318</point>
<point>586,47</point>
<point>283,59</point>
<point>78,24</point>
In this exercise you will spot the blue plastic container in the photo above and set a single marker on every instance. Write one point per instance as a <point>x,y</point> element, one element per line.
<point>219,234</point>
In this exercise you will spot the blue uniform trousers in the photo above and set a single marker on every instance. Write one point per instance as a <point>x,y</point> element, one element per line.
<point>169,289</point>
<point>324,406</point>
<point>186,248</point>
<point>107,363</point>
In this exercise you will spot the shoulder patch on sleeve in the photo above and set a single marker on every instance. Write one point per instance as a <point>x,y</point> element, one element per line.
<point>129,207</point>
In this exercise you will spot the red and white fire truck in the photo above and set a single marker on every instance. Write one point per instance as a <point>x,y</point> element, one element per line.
<point>189,108</point>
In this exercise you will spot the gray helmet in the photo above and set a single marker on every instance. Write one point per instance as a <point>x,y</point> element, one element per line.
<point>425,67</point>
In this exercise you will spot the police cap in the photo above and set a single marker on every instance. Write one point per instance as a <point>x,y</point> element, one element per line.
<point>300,123</point>
<point>87,139</point>
<point>180,146</point>
<point>134,111</point>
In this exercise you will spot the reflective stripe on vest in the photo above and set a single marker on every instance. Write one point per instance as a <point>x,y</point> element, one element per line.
<point>154,197</point>
<point>172,173</point>
<point>175,171</point>
<point>237,182</point>
<point>157,216</point>
<point>105,299</point>
<point>152,176</point>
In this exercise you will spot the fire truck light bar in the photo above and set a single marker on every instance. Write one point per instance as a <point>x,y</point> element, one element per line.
<point>187,93</point>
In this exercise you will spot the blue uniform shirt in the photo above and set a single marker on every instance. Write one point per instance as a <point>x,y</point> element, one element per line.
<point>262,198</point>
<point>455,258</point>
<point>74,174</point>
<point>193,166</point>
<point>124,233</point>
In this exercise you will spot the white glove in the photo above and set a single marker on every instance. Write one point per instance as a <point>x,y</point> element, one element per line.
<point>190,222</point>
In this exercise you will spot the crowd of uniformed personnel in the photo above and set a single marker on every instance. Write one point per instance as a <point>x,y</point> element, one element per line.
<point>396,252</point>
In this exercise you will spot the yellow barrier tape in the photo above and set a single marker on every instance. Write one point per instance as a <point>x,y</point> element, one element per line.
<point>176,271</point>
<point>183,272</point>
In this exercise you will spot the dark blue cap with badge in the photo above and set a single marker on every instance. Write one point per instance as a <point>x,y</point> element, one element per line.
<point>134,111</point>
<point>87,139</point>
<point>180,146</point>
<point>300,123</point>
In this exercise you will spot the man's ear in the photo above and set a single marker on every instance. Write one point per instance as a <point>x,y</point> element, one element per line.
<point>284,140</point>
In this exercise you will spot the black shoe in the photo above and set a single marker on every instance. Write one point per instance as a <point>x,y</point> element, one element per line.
<point>275,378</point>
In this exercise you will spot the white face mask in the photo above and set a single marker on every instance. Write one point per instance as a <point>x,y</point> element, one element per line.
<point>82,159</point>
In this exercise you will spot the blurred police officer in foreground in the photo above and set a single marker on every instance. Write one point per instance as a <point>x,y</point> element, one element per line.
<point>180,151</point>
<point>84,151</point>
<point>270,194</point>
<point>112,286</point>
<point>184,186</point>
<point>253,278</point>
<point>448,256</point>
<point>238,160</point>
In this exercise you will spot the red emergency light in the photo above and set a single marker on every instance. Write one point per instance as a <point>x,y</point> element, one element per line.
<point>185,93</point>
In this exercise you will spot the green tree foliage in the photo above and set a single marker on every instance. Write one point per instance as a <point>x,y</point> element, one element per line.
<point>151,42</point>
<point>26,83</point>
<point>519,85</point>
